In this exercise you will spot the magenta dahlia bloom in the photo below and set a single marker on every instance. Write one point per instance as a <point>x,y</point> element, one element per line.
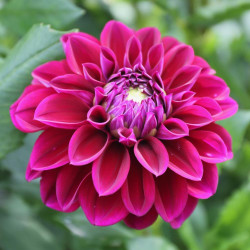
<point>128,125</point>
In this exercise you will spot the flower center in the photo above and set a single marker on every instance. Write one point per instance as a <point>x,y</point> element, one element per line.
<point>135,101</point>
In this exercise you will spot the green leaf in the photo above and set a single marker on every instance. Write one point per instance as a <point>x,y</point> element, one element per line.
<point>19,15</point>
<point>150,243</point>
<point>19,229</point>
<point>219,11</point>
<point>232,229</point>
<point>39,45</point>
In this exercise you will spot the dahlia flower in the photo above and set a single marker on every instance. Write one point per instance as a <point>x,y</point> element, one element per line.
<point>128,125</point>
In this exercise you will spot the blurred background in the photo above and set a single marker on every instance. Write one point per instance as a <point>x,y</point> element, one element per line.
<point>219,31</point>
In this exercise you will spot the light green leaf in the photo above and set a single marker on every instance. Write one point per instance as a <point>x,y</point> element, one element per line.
<point>20,230</point>
<point>233,227</point>
<point>19,15</point>
<point>150,243</point>
<point>39,45</point>
<point>218,11</point>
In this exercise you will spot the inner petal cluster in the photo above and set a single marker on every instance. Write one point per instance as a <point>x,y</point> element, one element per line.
<point>135,101</point>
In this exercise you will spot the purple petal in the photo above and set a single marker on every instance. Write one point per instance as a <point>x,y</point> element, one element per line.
<point>98,117</point>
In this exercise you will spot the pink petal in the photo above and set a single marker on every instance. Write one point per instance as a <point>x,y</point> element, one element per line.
<point>210,146</point>
<point>152,155</point>
<point>115,36</point>
<point>171,129</point>
<point>211,86</point>
<point>62,111</point>
<point>109,63</point>
<point>188,210</point>
<point>207,186</point>
<point>210,105</point>
<point>169,42</point>
<point>194,116</point>
<point>138,191</point>
<point>170,195</point>
<point>81,50</point>
<point>149,125</point>
<point>176,58</point>
<point>224,135</point>
<point>182,99</point>
<point>229,107</point>
<point>24,113</point>
<point>155,58</point>
<point>46,72</point>
<point>65,38</point>
<point>98,117</point>
<point>183,79</point>
<point>184,159</point>
<point>51,149</point>
<point>111,169</point>
<point>101,211</point>
<point>206,69</point>
<point>133,54</point>
<point>141,222</point>
<point>48,191</point>
<point>86,144</point>
<point>68,183</point>
<point>148,37</point>
<point>32,174</point>
<point>93,74</point>
<point>75,85</point>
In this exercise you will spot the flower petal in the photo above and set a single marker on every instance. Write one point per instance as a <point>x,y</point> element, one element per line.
<point>224,135</point>
<point>98,117</point>
<point>48,191</point>
<point>170,195</point>
<point>24,113</point>
<point>169,42</point>
<point>229,107</point>
<point>188,210</point>
<point>93,74</point>
<point>138,191</point>
<point>155,58</point>
<point>133,54</point>
<point>115,36</point>
<point>184,159</point>
<point>176,58</point>
<point>148,37</point>
<point>101,211</point>
<point>210,146</point>
<point>111,169</point>
<point>87,144</point>
<point>141,222</point>
<point>194,116</point>
<point>172,129</point>
<point>68,183</point>
<point>210,86</point>
<point>51,149</point>
<point>46,72</point>
<point>207,186</point>
<point>62,111</point>
<point>183,79</point>
<point>32,174</point>
<point>152,155</point>
<point>81,50</point>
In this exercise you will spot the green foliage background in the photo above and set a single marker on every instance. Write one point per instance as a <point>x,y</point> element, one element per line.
<point>219,31</point>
